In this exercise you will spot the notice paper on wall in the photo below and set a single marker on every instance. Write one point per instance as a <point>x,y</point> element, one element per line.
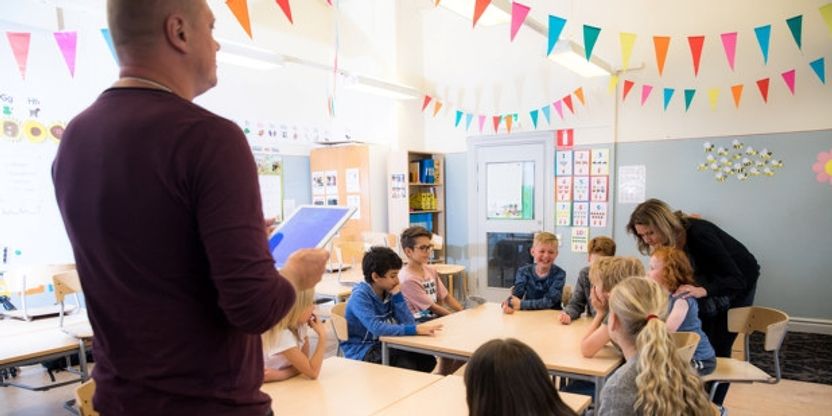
<point>580,239</point>
<point>318,186</point>
<point>331,183</point>
<point>599,188</point>
<point>598,214</point>
<point>600,164</point>
<point>581,162</point>
<point>563,163</point>
<point>632,186</point>
<point>353,182</point>
<point>354,201</point>
<point>563,188</point>
<point>563,214</point>
<point>580,191</point>
<point>580,214</point>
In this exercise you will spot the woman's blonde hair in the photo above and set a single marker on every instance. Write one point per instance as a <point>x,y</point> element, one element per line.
<point>303,299</point>
<point>676,267</point>
<point>657,214</point>
<point>667,385</point>
<point>606,272</point>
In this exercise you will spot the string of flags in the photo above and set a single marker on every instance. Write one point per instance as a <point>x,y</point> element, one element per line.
<point>67,43</point>
<point>239,8</point>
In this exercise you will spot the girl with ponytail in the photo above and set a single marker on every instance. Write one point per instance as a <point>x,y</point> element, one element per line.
<point>654,380</point>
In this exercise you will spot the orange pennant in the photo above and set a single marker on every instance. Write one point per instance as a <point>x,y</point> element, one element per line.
<point>580,94</point>
<point>437,2</point>
<point>287,10</point>
<point>736,91</point>
<point>479,9</point>
<point>240,10</point>
<point>661,43</point>
<point>436,107</point>
<point>509,119</point>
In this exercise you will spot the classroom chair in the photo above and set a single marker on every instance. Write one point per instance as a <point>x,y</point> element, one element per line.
<point>339,324</point>
<point>686,343</point>
<point>745,321</point>
<point>83,398</point>
<point>31,280</point>
<point>567,295</point>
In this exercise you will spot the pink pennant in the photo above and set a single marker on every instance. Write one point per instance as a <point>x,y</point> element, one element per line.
<point>482,122</point>
<point>19,42</point>
<point>729,43</point>
<point>645,92</point>
<point>518,16</point>
<point>568,101</point>
<point>788,76</point>
<point>68,42</point>
<point>558,108</point>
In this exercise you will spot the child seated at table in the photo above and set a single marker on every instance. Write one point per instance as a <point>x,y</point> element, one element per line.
<point>654,380</point>
<point>506,377</point>
<point>604,274</point>
<point>286,345</point>
<point>671,269</point>
<point>377,308</point>
<point>598,247</point>
<point>422,288</point>
<point>538,285</point>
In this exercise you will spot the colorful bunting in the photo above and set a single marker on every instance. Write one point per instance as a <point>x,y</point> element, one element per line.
<point>826,13</point>
<point>628,85</point>
<point>481,122</point>
<point>661,44</point>
<point>518,16</point>
<point>820,69</point>
<point>579,92</point>
<point>67,43</point>
<point>729,43</point>
<point>436,107</point>
<point>496,121</point>
<point>590,37</point>
<point>613,83</point>
<point>556,25</point>
<point>689,93</point>
<point>558,108</point>
<point>568,101</point>
<point>668,94</point>
<point>696,43</point>
<point>468,116</point>
<point>533,115</point>
<point>19,41</point>
<point>788,77</point>
<point>796,27</point>
<point>458,118</point>
<point>105,32</point>
<point>426,101</point>
<point>287,10</point>
<point>713,97</point>
<point>240,10</point>
<point>645,92</point>
<point>479,9</point>
<point>762,85</point>
<point>509,120</point>
<point>627,41</point>
<point>763,38</point>
<point>547,114</point>
<point>736,91</point>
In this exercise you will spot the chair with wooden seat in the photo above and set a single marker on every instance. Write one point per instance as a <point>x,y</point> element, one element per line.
<point>32,280</point>
<point>83,398</point>
<point>745,321</point>
<point>686,343</point>
<point>67,283</point>
<point>339,324</point>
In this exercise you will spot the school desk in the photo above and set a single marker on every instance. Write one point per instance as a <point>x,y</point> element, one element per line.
<point>338,288</point>
<point>345,387</point>
<point>32,347</point>
<point>446,397</point>
<point>558,345</point>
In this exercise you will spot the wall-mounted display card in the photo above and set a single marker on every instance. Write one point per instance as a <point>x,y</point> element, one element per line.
<point>563,188</point>
<point>332,184</point>
<point>632,184</point>
<point>581,162</point>
<point>563,214</point>
<point>580,239</point>
<point>318,185</point>
<point>353,183</point>
<point>599,188</point>
<point>600,162</point>
<point>598,214</point>
<point>580,214</point>
<point>563,163</point>
<point>580,188</point>
<point>354,201</point>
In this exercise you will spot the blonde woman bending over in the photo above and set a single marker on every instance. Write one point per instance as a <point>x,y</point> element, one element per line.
<point>654,380</point>
<point>286,345</point>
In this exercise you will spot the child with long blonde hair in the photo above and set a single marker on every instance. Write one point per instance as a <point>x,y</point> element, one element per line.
<point>286,345</point>
<point>654,380</point>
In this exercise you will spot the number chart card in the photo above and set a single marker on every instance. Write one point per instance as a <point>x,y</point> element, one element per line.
<point>580,239</point>
<point>563,214</point>
<point>581,162</point>
<point>598,214</point>
<point>563,163</point>
<point>563,188</point>
<point>599,188</point>
<point>580,188</point>
<point>600,162</point>
<point>580,214</point>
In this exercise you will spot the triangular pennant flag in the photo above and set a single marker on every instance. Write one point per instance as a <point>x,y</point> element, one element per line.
<point>796,27</point>
<point>458,118</point>
<point>645,92</point>
<point>287,10</point>
<point>668,94</point>
<point>788,77</point>
<point>547,113</point>
<point>627,42</point>
<point>613,83</point>
<point>436,5</point>
<point>518,16</point>
<point>762,85</point>
<point>661,44</point>
<point>763,37</point>
<point>558,108</point>
<point>689,93</point>
<point>509,120</point>
<point>590,37</point>
<point>479,9</point>
<point>426,102</point>
<point>481,122</point>
<point>826,13</point>
<point>729,43</point>
<point>468,116</point>
<point>736,91</point>
<point>109,39</point>
<point>533,115</point>
<point>496,121</point>
<point>579,92</point>
<point>713,97</point>
<point>628,85</point>
<point>695,43</point>
<point>19,41</point>
<point>568,101</point>
<point>555,27</point>
<point>240,10</point>
<point>820,69</point>
<point>436,107</point>
<point>67,43</point>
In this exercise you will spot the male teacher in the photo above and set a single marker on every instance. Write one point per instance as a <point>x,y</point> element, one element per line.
<point>161,203</point>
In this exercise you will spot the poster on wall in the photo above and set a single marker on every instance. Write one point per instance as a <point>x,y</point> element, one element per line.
<point>632,186</point>
<point>600,163</point>
<point>398,186</point>
<point>563,214</point>
<point>332,200</point>
<point>598,214</point>
<point>563,188</point>
<point>580,191</point>
<point>581,161</point>
<point>318,186</point>
<point>580,239</point>
<point>355,202</point>
<point>269,174</point>
<point>319,200</point>
<point>353,180</point>
<point>331,184</point>
<point>563,163</point>
<point>599,188</point>
<point>580,214</point>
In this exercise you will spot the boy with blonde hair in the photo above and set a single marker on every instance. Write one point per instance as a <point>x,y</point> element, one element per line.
<point>538,285</point>
<point>600,246</point>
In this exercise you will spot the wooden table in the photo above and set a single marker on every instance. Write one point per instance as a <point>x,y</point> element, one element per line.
<point>446,397</point>
<point>452,270</point>
<point>559,346</point>
<point>345,387</point>
<point>337,287</point>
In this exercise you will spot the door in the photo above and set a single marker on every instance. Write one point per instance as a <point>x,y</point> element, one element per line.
<point>508,208</point>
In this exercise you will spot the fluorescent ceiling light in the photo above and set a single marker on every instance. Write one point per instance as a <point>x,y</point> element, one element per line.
<point>248,56</point>
<point>572,56</point>
<point>378,87</point>
<point>492,15</point>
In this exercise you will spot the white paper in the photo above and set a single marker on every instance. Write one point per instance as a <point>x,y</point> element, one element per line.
<point>600,162</point>
<point>563,214</point>
<point>563,161</point>
<point>580,188</point>
<point>355,201</point>
<point>581,162</point>
<point>563,188</point>
<point>353,181</point>
<point>319,200</point>
<point>580,214</point>
<point>598,214</point>
<point>632,186</point>
<point>331,184</point>
<point>599,188</point>
<point>580,239</point>
<point>270,195</point>
<point>318,186</point>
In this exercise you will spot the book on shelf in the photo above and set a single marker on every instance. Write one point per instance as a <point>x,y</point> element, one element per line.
<point>413,171</point>
<point>426,171</point>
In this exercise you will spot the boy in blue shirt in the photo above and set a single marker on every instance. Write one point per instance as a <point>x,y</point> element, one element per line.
<point>377,308</point>
<point>538,285</point>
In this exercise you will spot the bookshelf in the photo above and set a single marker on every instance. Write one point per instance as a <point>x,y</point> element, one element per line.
<point>414,196</point>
